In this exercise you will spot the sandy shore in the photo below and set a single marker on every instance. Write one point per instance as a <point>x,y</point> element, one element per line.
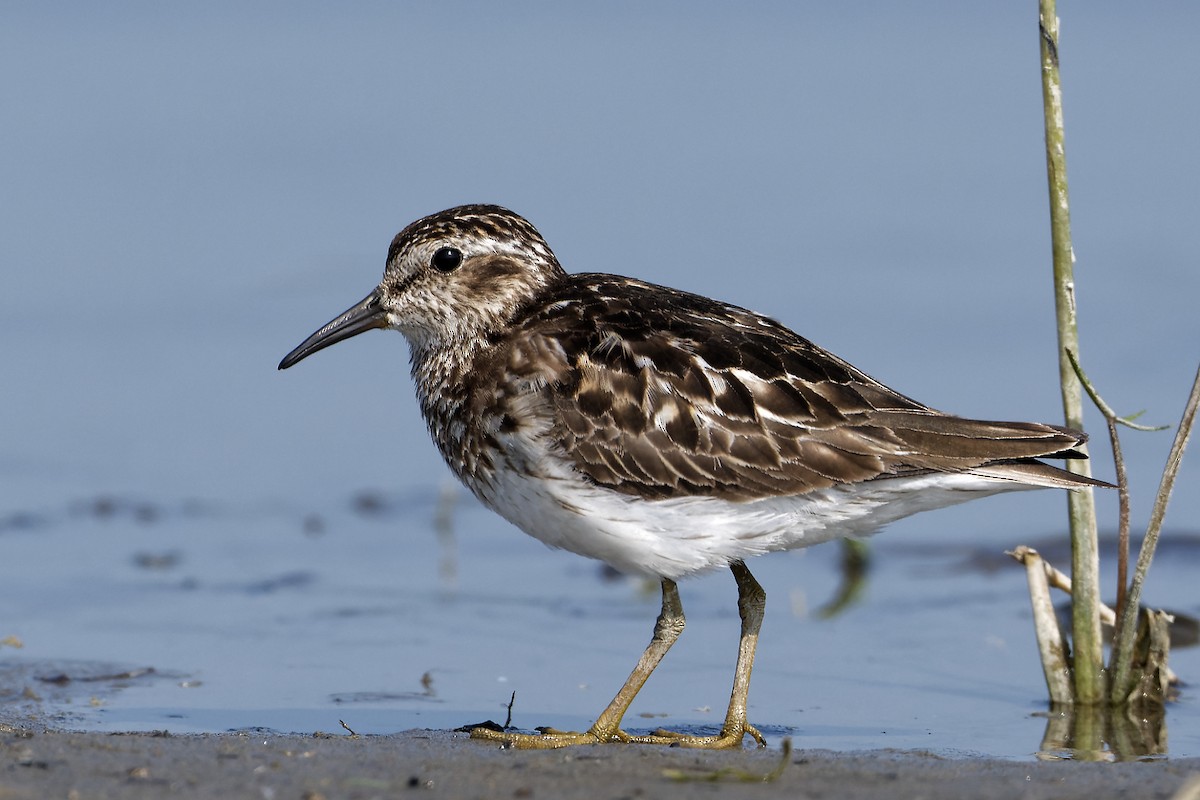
<point>53,764</point>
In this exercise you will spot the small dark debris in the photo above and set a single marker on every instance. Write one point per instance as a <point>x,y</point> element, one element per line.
<point>103,507</point>
<point>369,503</point>
<point>107,508</point>
<point>381,697</point>
<point>288,580</point>
<point>487,725</point>
<point>159,734</point>
<point>62,678</point>
<point>165,560</point>
<point>130,675</point>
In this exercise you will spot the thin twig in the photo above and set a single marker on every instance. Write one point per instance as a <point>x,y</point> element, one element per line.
<point>1060,580</point>
<point>1126,630</point>
<point>1105,408</point>
<point>508,719</point>
<point>1055,663</point>
<point>1122,513</point>
<point>1111,418</point>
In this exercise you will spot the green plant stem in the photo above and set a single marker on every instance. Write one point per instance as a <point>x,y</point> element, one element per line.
<point>1088,661</point>
<point>1126,625</point>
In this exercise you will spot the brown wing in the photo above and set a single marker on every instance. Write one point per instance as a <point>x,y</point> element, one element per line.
<point>659,393</point>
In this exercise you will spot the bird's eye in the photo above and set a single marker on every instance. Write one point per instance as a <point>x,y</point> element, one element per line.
<point>446,259</point>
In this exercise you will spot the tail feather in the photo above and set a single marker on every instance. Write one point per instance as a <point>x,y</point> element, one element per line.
<point>1038,473</point>
<point>1006,451</point>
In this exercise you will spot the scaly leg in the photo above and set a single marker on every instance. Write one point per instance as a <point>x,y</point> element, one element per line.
<point>752,602</point>
<point>752,605</point>
<point>607,727</point>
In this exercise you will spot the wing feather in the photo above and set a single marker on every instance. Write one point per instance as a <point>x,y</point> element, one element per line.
<point>659,393</point>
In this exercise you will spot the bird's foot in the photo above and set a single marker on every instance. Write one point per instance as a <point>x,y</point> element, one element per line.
<point>729,738</point>
<point>549,738</point>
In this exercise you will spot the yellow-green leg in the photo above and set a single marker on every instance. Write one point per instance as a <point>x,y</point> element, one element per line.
<point>607,728</point>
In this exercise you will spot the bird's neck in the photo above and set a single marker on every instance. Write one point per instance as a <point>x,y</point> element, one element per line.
<point>441,374</point>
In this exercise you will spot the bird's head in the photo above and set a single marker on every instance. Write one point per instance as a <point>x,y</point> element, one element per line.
<point>452,277</point>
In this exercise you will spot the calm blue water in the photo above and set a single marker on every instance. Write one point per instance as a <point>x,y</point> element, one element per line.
<point>189,192</point>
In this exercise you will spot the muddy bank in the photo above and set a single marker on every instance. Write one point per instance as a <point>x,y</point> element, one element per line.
<point>37,764</point>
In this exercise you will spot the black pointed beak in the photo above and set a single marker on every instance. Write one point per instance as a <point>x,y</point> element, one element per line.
<point>364,316</point>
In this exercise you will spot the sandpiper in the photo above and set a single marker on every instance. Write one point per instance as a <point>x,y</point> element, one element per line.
<point>662,432</point>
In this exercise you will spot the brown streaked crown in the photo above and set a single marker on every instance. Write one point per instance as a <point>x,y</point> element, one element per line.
<point>505,262</point>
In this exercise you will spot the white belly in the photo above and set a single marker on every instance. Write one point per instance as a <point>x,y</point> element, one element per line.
<point>678,537</point>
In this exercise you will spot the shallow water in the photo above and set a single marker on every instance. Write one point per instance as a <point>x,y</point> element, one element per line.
<point>296,618</point>
<point>191,192</point>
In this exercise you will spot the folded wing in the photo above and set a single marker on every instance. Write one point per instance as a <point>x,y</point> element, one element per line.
<point>714,400</point>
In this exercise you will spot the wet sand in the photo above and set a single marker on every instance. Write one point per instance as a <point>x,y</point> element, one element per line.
<point>46,763</point>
